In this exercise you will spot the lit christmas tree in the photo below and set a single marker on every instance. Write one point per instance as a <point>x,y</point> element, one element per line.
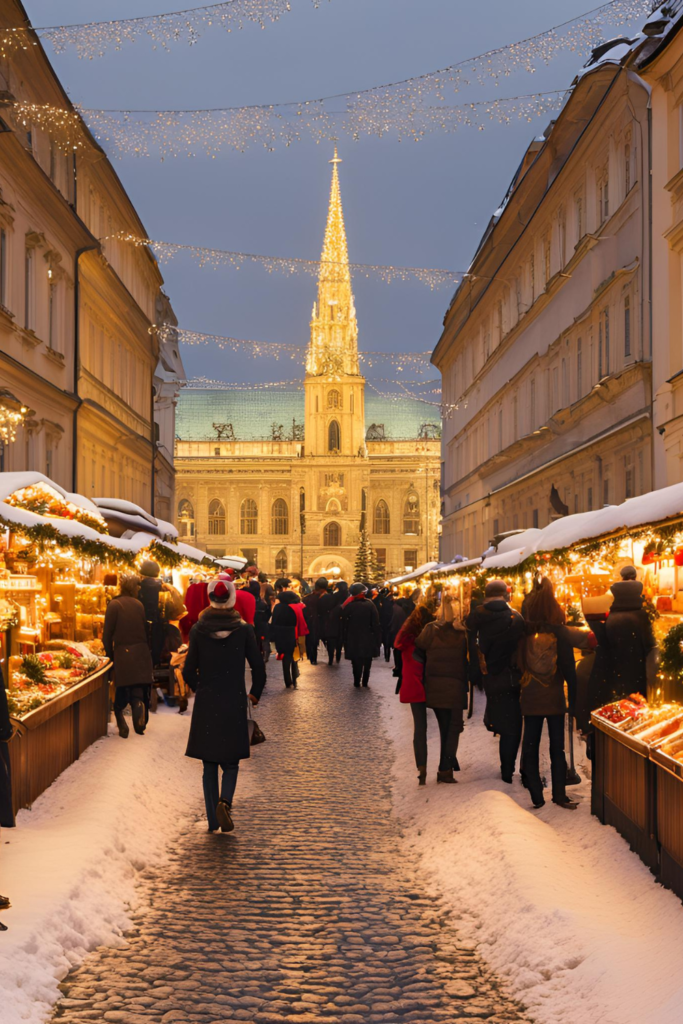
<point>367,568</point>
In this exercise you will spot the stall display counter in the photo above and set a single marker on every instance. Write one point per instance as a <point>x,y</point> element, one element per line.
<point>50,738</point>
<point>669,782</point>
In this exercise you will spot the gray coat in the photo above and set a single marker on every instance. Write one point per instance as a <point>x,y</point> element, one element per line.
<point>445,675</point>
<point>125,641</point>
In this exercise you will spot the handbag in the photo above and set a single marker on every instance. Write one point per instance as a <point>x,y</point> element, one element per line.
<point>256,734</point>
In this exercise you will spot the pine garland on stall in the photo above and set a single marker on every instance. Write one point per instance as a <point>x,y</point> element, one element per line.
<point>671,660</point>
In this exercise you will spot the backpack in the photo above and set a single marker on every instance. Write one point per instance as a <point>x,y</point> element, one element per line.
<point>540,657</point>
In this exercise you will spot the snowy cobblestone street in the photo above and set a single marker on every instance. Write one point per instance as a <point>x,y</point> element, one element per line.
<point>311,911</point>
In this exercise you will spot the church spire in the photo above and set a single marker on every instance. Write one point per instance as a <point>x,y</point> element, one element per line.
<point>333,348</point>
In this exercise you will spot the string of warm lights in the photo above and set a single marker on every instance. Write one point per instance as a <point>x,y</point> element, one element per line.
<point>276,349</point>
<point>173,133</point>
<point>207,383</point>
<point>215,258</point>
<point>94,38</point>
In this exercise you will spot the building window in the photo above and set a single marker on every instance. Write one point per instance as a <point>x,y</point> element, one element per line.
<point>563,239</point>
<point>606,335</point>
<point>48,460</point>
<point>627,167</point>
<point>411,516</point>
<point>410,560</point>
<point>534,518</point>
<point>28,290</point>
<point>281,561</point>
<point>546,259</point>
<point>52,315</point>
<point>216,451</point>
<point>532,276</point>
<point>499,318</point>
<point>578,209</point>
<point>579,369</point>
<point>629,477</point>
<point>382,517</point>
<point>532,404</point>
<point>3,267</point>
<point>216,518</point>
<point>280,518</point>
<point>381,556</point>
<point>627,325</point>
<point>249,517</point>
<point>605,491</point>
<point>333,437</point>
<point>515,418</point>
<point>251,555</point>
<point>500,428</point>
<point>589,500</point>
<point>334,399</point>
<point>185,517</point>
<point>565,384</point>
<point>332,535</point>
<point>603,199</point>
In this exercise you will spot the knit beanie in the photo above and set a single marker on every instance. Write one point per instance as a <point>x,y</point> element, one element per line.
<point>358,589</point>
<point>221,594</point>
<point>496,588</point>
<point>149,568</point>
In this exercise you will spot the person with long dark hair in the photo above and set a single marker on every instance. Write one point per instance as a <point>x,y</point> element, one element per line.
<point>547,662</point>
<point>411,687</point>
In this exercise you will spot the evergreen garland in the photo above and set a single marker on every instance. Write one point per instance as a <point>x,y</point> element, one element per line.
<point>671,659</point>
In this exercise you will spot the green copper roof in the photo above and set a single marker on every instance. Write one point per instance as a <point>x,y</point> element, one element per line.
<point>204,415</point>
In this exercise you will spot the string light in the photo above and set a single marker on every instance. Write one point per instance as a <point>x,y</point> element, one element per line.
<point>12,414</point>
<point>215,258</point>
<point>275,349</point>
<point>93,39</point>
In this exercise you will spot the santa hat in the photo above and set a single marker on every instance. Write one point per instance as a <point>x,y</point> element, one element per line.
<point>221,593</point>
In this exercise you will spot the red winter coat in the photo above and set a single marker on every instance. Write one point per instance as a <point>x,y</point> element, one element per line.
<point>196,600</point>
<point>412,688</point>
<point>301,627</point>
<point>245,603</point>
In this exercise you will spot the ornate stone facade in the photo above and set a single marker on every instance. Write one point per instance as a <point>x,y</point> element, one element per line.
<point>287,479</point>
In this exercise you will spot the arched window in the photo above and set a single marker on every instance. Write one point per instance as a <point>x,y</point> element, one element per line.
<point>249,516</point>
<point>185,519</point>
<point>216,518</point>
<point>334,399</point>
<point>382,517</point>
<point>281,561</point>
<point>279,518</point>
<point>332,535</point>
<point>333,437</point>
<point>333,506</point>
<point>411,515</point>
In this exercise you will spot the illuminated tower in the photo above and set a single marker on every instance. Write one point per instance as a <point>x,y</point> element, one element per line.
<point>334,387</point>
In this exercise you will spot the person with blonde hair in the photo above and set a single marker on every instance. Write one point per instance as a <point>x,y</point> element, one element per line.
<point>442,646</point>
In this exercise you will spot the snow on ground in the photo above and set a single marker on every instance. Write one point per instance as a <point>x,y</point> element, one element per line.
<point>560,907</point>
<point>70,865</point>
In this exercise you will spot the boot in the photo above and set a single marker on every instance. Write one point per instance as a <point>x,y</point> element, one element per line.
<point>139,717</point>
<point>122,725</point>
<point>422,775</point>
<point>446,776</point>
<point>5,903</point>
<point>567,804</point>
<point>224,816</point>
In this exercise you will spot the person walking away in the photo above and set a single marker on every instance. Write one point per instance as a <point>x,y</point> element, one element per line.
<point>401,609</point>
<point>6,808</point>
<point>547,662</point>
<point>631,645</point>
<point>311,611</point>
<point>150,590</point>
<point>361,633</point>
<point>221,644</point>
<point>386,611</point>
<point>267,590</point>
<point>125,643</point>
<point>497,630</point>
<point>444,645</point>
<point>261,617</point>
<point>331,607</point>
<point>411,689</point>
<point>283,631</point>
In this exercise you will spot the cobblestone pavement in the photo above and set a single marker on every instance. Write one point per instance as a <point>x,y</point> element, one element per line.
<point>308,912</point>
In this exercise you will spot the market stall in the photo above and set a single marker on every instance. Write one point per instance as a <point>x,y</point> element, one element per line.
<point>61,557</point>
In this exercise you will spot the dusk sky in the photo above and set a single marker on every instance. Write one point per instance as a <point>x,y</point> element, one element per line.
<point>423,204</point>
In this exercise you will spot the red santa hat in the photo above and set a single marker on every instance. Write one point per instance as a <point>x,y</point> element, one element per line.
<point>221,593</point>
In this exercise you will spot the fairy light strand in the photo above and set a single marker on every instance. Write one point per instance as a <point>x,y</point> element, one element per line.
<point>276,349</point>
<point>215,258</point>
<point>95,38</point>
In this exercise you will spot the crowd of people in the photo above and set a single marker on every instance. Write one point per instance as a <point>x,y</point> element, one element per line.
<point>523,661</point>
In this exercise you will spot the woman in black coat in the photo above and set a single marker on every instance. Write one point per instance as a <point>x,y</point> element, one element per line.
<point>361,633</point>
<point>283,632</point>
<point>330,609</point>
<point>220,645</point>
<point>125,643</point>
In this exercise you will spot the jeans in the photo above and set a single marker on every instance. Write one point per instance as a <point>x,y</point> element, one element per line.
<point>450,727</point>
<point>361,671</point>
<point>334,649</point>
<point>533,728</point>
<point>227,791</point>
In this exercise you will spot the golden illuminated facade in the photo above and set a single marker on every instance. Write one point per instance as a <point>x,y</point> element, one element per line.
<point>287,479</point>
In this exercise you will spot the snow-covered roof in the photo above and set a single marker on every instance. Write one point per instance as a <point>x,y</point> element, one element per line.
<point>416,573</point>
<point>10,483</point>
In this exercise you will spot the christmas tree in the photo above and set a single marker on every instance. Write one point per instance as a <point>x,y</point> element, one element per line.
<point>367,568</point>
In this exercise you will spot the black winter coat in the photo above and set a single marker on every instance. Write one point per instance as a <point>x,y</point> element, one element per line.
<point>220,646</point>
<point>125,642</point>
<point>261,613</point>
<point>400,611</point>
<point>622,665</point>
<point>150,589</point>
<point>6,810</point>
<point>283,623</point>
<point>314,619</point>
<point>386,614</point>
<point>361,631</point>
<point>497,630</point>
<point>331,609</point>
